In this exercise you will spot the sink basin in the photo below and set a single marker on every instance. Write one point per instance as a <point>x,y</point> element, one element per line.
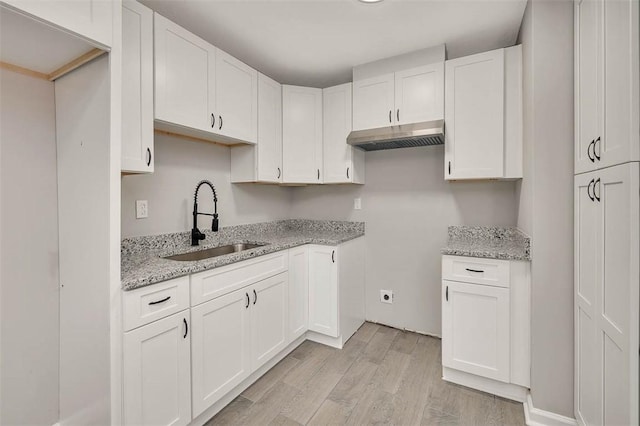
<point>213,252</point>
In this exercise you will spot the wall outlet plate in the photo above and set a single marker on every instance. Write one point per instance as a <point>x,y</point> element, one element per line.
<point>357,203</point>
<point>386,296</point>
<point>142,209</point>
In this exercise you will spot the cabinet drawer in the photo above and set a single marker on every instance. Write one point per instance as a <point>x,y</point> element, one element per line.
<point>216,282</point>
<point>476,270</point>
<point>148,304</point>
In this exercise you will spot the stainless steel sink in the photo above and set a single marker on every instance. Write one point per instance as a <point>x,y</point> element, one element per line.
<point>213,252</point>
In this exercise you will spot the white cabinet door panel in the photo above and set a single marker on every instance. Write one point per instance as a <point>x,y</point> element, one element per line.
<point>336,115</point>
<point>298,291</point>
<point>323,290</point>
<point>475,329</point>
<point>419,94</point>
<point>373,102</point>
<point>221,347</point>
<point>157,373</point>
<point>269,130</point>
<point>301,134</point>
<point>269,320</point>
<point>184,77</point>
<point>474,116</point>
<point>587,85</point>
<point>236,98</point>
<point>137,87</point>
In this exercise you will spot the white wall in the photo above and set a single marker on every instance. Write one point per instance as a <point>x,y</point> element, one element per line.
<point>407,206</point>
<point>29,262</point>
<point>179,165</point>
<point>545,197</point>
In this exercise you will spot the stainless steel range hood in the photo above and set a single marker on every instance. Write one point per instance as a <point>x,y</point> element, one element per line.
<point>403,136</point>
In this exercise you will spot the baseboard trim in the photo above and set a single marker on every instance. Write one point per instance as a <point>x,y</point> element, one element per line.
<point>536,417</point>
<point>504,390</point>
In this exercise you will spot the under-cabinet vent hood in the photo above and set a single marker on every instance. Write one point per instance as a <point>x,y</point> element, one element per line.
<point>403,136</point>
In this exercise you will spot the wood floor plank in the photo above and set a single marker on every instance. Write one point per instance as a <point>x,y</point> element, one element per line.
<point>281,420</point>
<point>405,342</point>
<point>341,360</point>
<point>330,413</point>
<point>379,344</point>
<point>374,407</point>
<point>232,414</point>
<point>300,374</point>
<point>270,405</point>
<point>391,371</point>
<point>511,412</point>
<point>353,384</point>
<point>366,332</point>
<point>306,402</point>
<point>270,378</point>
<point>431,416</point>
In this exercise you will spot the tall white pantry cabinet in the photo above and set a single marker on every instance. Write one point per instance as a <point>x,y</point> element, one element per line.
<point>607,213</point>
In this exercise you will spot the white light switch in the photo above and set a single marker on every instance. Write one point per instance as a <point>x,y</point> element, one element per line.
<point>142,209</point>
<point>357,203</point>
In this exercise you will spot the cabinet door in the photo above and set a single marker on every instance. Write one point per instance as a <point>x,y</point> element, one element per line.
<point>420,94</point>
<point>475,329</point>
<point>301,134</point>
<point>137,87</point>
<point>474,116</point>
<point>269,130</point>
<point>220,347</point>
<point>184,77</point>
<point>298,291</point>
<point>323,290</point>
<point>586,217</point>
<point>336,116</point>
<point>91,19</point>
<point>373,102</point>
<point>236,98</point>
<point>617,295</point>
<point>620,141</point>
<point>269,307</point>
<point>157,373</point>
<point>588,86</point>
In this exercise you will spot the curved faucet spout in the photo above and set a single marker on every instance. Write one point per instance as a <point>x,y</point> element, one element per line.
<point>196,235</point>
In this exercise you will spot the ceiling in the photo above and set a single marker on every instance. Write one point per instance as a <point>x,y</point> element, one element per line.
<point>317,42</point>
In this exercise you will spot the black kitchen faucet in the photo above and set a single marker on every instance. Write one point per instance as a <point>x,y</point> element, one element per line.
<point>196,235</point>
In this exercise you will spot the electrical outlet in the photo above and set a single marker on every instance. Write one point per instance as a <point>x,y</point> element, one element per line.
<point>142,209</point>
<point>386,296</point>
<point>357,203</point>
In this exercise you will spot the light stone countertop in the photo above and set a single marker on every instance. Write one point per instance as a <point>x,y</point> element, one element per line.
<point>142,263</point>
<point>488,242</point>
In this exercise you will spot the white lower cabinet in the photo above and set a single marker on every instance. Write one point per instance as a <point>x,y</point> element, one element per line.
<point>486,324</point>
<point>475,329</point>
<point>269,319</point>
<point>298,291</point>
<point>234,335</point>
<point>323,290</point>
<point>221,341</point>
<point>157,372</point>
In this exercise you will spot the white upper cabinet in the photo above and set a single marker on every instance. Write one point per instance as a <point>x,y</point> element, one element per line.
<point>184,77</point>
<point>90,19</point>
<point>373,102</point>
<point>137,88</point>
<point>483,116</point>
<point>262,162</point>
<point>301,134</point>
<point>419,94</point>
<point>202,91</point>
<point>342,162</point>
<point>607,89</point>
<point>236,98</point>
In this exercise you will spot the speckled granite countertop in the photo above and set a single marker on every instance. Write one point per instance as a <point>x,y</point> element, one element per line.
<point>142,262</point>
<point>490,242</point>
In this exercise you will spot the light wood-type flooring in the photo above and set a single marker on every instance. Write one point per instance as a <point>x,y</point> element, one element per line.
<point>382,376</point>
